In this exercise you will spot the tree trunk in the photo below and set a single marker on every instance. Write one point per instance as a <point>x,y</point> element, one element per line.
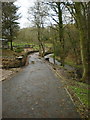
<point>43,49</point>
<point>11,45</point>
<point>54,51</point>
<point>40,52</point>
<point>82,25</point>
<point>61,34</point>
<point>84,55</point>
<point>81,18</point>
<point>11,38</point>
<point>41,46</point>
<point>88,11</point>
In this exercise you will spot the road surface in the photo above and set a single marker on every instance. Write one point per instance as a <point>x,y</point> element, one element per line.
<point>36,93</point>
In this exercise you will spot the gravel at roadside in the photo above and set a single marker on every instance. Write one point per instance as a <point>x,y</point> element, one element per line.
<point>4,74</point>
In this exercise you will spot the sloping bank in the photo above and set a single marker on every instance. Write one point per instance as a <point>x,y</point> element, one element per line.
<point>15,62</point>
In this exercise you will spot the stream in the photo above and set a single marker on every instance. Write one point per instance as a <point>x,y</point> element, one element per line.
<point>68,67</point>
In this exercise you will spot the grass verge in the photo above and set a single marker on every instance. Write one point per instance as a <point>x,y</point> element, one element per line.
<point>79,91</point>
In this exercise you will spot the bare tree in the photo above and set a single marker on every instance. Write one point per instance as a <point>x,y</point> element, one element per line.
<point>39,13</point>
<point>79,11</point>
<point>57,16</point>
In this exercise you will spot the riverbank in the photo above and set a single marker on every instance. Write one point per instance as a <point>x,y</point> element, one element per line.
<point>9,64</point>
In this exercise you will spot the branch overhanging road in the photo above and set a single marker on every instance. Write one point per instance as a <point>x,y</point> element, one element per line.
<point>36,93</point>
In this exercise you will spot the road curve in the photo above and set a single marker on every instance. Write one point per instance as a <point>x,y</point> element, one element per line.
<point>36,93</point>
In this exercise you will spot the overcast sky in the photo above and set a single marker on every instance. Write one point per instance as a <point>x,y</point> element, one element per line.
<point>24,5</point>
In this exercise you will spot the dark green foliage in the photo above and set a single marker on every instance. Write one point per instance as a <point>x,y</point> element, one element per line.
<point>9,23</point>
<point>0,19</point>
<point>19,49</point>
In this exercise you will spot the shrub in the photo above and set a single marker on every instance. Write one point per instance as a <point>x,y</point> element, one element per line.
<point>19,49</point>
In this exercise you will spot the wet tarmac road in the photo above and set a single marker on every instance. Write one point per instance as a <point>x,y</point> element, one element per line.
<point>36,93</point>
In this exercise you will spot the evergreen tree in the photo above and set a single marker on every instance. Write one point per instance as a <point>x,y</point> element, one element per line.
<point>9,21</point>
